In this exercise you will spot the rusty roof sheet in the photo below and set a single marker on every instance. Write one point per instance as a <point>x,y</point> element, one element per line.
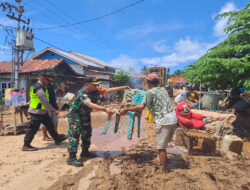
<point>30,65</point>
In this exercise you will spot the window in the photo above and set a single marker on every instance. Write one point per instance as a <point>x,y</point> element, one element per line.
<point>5,85</point>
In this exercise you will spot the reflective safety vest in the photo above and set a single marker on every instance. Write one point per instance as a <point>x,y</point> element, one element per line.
<point>35,102</point>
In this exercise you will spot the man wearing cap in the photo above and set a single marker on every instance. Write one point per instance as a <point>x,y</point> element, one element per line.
<point>80,120</point>
<point>159,104</point>
<point>40,110</point>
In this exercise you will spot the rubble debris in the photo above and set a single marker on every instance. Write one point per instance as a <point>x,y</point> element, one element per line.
<point>189,138</point>
<point>232,155</point>
<point>232,143</point>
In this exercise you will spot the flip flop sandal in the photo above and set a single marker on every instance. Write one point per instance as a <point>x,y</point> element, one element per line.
<point>47,139</point>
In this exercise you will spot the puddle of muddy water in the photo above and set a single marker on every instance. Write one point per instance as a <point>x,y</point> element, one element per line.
<point>111,144</point>
<point>177,162</point>
<point>177,150</point>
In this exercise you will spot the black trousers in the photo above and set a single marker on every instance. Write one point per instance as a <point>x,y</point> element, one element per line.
<point>34,124</point>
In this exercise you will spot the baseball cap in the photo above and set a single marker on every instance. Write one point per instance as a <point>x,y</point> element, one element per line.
<point>152,76</point>
<point>92,80</point>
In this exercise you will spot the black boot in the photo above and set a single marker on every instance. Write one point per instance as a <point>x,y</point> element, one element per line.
<point>60,138</point>
<point>87,154</point>
<point>28,147</point>
<point>73,161</point>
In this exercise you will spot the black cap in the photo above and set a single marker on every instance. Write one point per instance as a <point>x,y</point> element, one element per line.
<point>92,80</point>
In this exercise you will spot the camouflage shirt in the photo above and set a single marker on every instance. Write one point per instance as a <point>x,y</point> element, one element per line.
<point>160,105</point>
<point>82,98</point>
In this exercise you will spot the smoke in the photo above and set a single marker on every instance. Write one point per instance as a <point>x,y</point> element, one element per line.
<point>126,63</point>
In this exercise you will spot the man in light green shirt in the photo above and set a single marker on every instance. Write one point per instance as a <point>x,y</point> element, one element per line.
<point>159,104</point>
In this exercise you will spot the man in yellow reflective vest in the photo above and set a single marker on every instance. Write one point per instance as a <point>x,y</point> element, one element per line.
<point>40,110</point>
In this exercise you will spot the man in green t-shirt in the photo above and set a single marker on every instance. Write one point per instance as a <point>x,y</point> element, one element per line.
<point>159,104</point>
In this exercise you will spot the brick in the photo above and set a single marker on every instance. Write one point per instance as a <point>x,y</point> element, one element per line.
<point>232,143</point>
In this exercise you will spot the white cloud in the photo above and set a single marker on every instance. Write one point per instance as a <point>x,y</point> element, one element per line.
<point>126,63</point>
<point>140,31</point>
<point>221,23</point>
<point>160,46</point>
<point>183,51</point>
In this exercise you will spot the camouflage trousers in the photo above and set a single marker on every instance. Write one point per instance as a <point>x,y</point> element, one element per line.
<point>79,127</point>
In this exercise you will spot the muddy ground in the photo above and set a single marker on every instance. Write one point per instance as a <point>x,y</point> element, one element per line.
<point>121,164</point>
<point>139,169</point>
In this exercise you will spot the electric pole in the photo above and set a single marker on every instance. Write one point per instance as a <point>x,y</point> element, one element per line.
<point>24,39</point>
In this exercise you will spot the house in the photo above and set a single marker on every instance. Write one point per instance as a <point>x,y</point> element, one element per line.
<point>80,63</point>
<point>32,67</point>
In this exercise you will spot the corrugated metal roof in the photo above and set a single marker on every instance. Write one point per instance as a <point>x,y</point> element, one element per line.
<point>90,58</point>
<point>75,58</point>
<point>80,58</point>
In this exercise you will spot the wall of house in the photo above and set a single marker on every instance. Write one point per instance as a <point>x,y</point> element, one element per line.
<point>52,55</point>
<point>78,68</point>
<point>24,83</point>
<point>105,84</point>
<point>5,81</point>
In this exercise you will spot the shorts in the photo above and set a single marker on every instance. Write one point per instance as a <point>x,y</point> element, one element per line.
<point>164,135</point>
<point>54,119</point>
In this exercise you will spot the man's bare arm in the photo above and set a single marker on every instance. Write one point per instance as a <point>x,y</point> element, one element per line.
<point>135,108</point>
<point>97,107</point>
<point>114,89</point>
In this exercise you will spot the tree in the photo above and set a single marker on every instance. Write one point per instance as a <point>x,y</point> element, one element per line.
<point>122,78</point>
<point>177,73</point>
<point>144,70</point>
<point>228,63</point>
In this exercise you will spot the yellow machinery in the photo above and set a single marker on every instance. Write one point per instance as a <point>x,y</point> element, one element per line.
<point>160,71</point>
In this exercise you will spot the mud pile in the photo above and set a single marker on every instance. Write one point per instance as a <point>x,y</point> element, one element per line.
<point>139,169</point>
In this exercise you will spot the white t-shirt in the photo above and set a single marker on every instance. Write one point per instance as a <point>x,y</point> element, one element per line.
<point>181,97</point>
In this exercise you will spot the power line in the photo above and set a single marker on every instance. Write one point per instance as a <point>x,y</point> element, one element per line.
<point>5,26</point>
<point>36,38</point>
<point>100,39</point>
<point>81,22</point>
<point>40,12</point>
<point>49,44</point>
<point>70,30</point>
<point>85,28</point>
<point>93,19</point>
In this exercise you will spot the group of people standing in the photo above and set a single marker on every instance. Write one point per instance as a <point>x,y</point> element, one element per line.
<point>43,112</point>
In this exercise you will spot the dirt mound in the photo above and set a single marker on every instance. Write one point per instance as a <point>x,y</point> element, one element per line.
<point>140,170</point>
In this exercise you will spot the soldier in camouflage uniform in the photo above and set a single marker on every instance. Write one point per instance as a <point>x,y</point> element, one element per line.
<point>80,120</point>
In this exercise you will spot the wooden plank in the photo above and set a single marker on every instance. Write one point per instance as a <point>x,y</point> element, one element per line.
<point>1,124</point>
<point>21,116</point>
<point>14,123</point>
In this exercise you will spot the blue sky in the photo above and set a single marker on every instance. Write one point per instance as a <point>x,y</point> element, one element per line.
<point>170,33</point>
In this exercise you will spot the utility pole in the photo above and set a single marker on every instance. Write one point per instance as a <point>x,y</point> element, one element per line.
<point>24,39</point>
<point>17,79</point>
